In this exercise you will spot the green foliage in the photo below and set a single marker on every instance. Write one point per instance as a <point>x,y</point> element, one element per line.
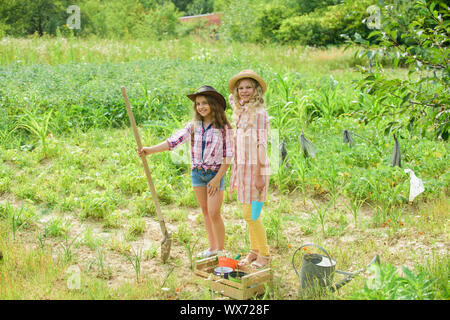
<point>107,19</point>
<point>240,21</point>
<point>113,19</point>
<point>420,44</point>
<point>270,20</point>
<point>385,283</point>
<point>24,17</point>
<point>37,127</point>
<point>163,20</point>
<point>307,6</point>
<point>324,25</point>
<point>200,7</point>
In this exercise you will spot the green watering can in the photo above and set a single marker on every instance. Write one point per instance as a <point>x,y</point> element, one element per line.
<point>316,274</point>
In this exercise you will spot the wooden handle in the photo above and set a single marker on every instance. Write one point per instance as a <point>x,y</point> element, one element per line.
<point>144,161</point>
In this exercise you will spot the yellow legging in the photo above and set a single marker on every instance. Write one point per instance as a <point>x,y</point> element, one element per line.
<point>258,240</point>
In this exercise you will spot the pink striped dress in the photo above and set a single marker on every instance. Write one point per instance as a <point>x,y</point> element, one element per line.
<point>247,136</point>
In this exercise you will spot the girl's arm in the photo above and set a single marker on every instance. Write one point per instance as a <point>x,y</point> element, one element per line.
<point>163,146</point>
<point>262,163</point>
<point>180,137</point>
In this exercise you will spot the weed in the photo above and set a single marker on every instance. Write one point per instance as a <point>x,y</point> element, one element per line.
<point>152,252</point>
<point>90,240</point>
<point>16,218</point>
<point>56,227</point>
<point>386,284</point>
<point>104,271</point>
<point>135,228</point>
<point>66,246</point>
<point>135,259</point>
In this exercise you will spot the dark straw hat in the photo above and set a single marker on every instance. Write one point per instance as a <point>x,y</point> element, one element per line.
<point>209,91</point>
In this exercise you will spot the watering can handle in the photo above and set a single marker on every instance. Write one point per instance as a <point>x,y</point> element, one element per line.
<point>307,245</point>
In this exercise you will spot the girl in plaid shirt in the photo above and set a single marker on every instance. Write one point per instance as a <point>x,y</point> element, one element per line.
<point>211,140</point>
<point>250,170</point>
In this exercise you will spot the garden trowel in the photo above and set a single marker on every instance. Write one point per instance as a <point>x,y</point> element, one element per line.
<point>167,240</point>
<point>256,208</point>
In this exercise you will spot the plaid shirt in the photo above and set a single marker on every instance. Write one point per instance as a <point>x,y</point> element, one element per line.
<point>219,145</point>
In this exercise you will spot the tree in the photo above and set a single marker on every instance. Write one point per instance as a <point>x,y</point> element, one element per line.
<point>182,5</point>
<point>307,6</point>
<point>200,7</point>
<point>23,17</point>
<point>419,41</point>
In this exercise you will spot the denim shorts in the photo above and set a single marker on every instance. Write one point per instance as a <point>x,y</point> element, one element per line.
<point>200,178</point>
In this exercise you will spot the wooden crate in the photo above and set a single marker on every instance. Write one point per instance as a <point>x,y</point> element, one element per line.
<point>251,285</point>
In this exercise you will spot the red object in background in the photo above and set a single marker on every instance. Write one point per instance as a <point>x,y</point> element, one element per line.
<point>213,18</point>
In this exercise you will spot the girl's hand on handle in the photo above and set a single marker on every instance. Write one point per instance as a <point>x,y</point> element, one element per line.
<point>143,152</point>
<point>213,187</point>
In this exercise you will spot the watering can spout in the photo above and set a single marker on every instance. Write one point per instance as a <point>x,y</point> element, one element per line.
<point>343,282</point>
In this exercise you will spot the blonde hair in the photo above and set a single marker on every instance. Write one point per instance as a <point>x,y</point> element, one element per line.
<point>255,104</point>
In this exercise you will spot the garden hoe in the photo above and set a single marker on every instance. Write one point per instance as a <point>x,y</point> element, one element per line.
<point>167,240</point>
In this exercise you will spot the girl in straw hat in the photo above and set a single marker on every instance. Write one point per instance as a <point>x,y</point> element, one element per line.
<point>211,140</point>
<point>250,170</point>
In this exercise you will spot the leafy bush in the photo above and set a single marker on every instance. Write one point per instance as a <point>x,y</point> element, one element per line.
<point>307,6</point>
<point>270,20</point>
<point>240,21</point>
<point>200,7</point>
<point>325,25</point>
<point>163,20</point>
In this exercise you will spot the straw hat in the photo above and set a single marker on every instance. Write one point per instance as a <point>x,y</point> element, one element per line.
<point>209,91</point>
<point>246,74</point>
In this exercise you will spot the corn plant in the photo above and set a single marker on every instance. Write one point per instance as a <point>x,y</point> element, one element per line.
<point>37,127</point>
<point>273,224</point>
<point>190,249</point>
<point>184,236</point>
<point>331,177</point>
<point>301,167</point>
<point>321,213</point>
<point>354,206</point>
